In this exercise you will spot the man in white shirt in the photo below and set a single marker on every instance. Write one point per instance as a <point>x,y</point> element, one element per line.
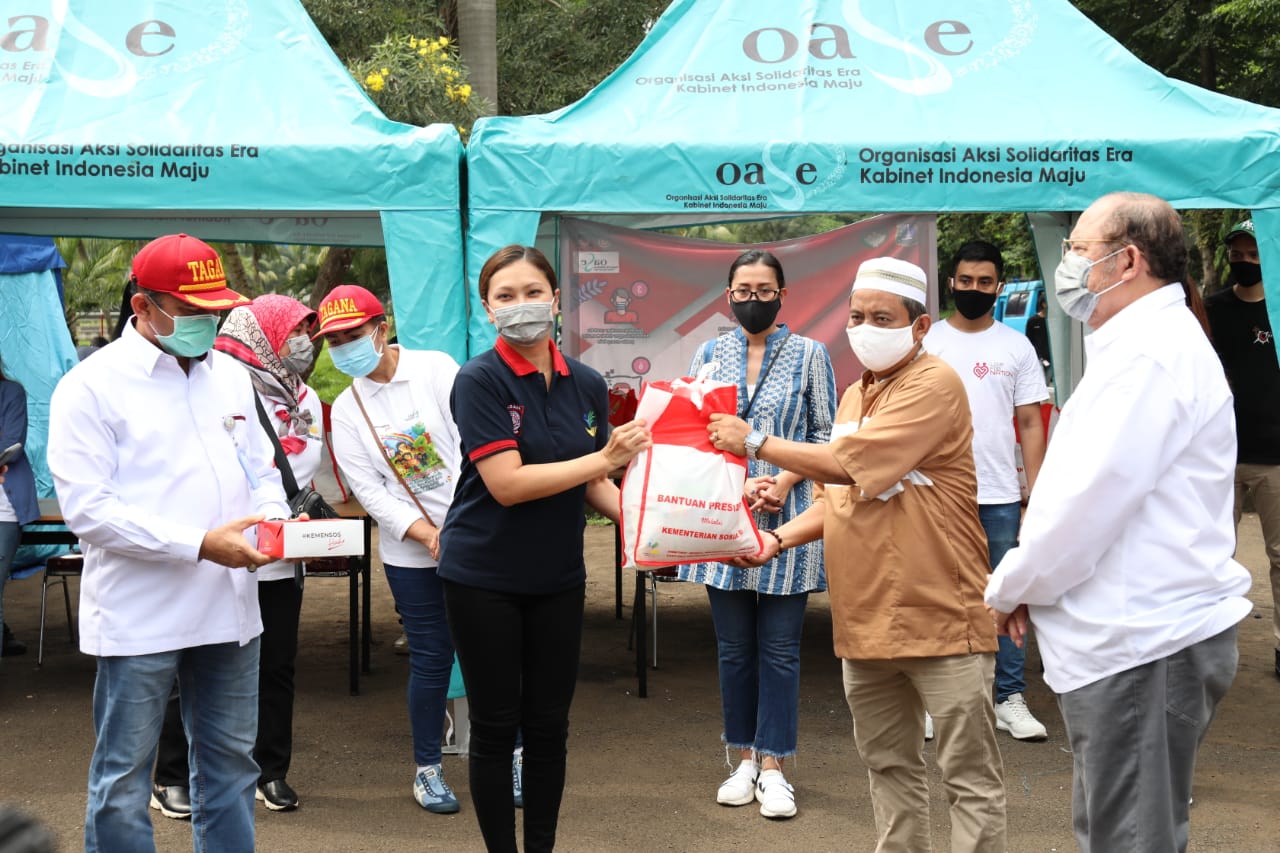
<point>162,470</point>
<point>1125,563</point>
<point>1004,382</point>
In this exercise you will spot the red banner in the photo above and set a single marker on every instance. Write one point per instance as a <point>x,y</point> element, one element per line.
<point>637,304</point>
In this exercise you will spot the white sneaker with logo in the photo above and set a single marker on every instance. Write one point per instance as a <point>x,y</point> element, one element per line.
<point>1013,716</point>
<point>740,788</point>
<point>777,797</point>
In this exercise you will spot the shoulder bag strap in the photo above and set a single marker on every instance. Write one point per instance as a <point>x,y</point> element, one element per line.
<point>282,462</point>
<point>377,439</point>
<point>764,373</point>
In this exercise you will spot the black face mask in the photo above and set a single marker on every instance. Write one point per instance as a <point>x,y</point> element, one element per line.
<point>756,316</point>
<point>973,304</point>
<point>1245,273</point>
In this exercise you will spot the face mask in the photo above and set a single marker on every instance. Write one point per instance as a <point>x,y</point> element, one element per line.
<point>973,304</point>
<point>301,351</point>
<point>192,336</point>
<point>1071,284</point>
<point>755,316</point>
<point>526,323</point>
<point>1245,273</point>
<point>880,349</point>
<point>356,358</point>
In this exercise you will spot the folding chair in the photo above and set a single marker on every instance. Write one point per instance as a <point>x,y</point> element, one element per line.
<point>56,571</point>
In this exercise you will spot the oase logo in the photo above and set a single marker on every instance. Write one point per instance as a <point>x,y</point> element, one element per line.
<point>830,41</point>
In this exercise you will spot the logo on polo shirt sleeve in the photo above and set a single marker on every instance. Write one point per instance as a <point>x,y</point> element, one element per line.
<point>517,417</point>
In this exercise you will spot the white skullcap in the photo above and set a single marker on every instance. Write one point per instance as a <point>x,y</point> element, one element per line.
<point>893,275</point>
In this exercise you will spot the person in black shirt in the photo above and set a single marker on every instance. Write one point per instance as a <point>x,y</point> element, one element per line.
<point>1242,336</point>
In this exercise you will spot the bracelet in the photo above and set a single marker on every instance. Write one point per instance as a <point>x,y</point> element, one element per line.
<point>777,536</point>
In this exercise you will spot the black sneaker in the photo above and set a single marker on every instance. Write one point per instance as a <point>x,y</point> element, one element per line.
<point>278,796</point>
<point>13,646</point>
<point>171,801</point>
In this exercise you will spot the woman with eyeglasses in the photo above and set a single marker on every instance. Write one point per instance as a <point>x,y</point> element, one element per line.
<point>786,387</point>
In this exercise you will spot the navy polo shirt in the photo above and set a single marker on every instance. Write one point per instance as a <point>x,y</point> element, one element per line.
<point>501,402</point>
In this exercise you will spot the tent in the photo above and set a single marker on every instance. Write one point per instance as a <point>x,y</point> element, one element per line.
<point>231,120</point>
<point>756,108</point>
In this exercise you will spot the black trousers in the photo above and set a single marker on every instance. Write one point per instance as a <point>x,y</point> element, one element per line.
<point>281,604</point>
<point>519,659</point>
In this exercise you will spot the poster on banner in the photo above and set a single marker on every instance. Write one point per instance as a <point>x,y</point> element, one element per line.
<point>637,304</point>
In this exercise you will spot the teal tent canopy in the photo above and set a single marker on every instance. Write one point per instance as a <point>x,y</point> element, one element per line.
<point>231,120</point>
<point>745,108</point>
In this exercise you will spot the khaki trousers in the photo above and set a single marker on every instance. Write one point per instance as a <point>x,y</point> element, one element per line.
<point>1264,482</point>
<point>888,699</point>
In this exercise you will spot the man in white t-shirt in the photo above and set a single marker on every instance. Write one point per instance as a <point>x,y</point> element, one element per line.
<point>1005,382</point>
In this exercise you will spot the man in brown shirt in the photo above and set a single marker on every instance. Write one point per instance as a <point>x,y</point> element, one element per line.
<point>906,566</point>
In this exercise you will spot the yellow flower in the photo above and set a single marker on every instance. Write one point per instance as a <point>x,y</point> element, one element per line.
<point>413,43</point>
<point>443,41</point>
<point>375,81</point>
<point>464,92</point>
<point>385,72</point>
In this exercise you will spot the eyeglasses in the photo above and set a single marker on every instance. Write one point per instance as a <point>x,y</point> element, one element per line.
<point>1070,245</point>
<point>743,294</point>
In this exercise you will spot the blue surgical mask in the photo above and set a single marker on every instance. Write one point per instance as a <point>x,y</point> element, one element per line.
<point>357,358</point>
<point>192,336</point>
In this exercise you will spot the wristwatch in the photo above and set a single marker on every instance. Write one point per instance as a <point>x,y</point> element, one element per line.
<point>753,441</point>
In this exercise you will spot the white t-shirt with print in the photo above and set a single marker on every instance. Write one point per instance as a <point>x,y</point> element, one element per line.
<point>1000,370</point>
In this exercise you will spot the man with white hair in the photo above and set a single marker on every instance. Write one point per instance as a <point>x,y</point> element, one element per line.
<point>1125,558</point>
<point>906,566</point>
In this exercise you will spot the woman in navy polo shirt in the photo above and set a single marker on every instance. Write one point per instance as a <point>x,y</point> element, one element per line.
<point>535,446</point>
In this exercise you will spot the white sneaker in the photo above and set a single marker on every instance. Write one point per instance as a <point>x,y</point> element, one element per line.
<point>928,726</point>
<point>777,797</point>
<point>740,788</point>
<point>1013,716</point>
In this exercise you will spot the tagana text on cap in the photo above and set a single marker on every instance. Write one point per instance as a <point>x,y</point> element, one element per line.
<point>893,275</point>
<point>347,306</point>
<point>187,268</point>
<point>1245,227</point>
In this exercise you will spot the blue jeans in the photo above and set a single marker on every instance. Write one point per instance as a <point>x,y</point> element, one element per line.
<point>218,685</point>
<point>420,603</point>
<point>758,638</point>
<point>1001,522</point>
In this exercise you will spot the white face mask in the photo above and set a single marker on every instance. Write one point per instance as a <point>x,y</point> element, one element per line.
<point>1071,285</point>
<point>525,323</point>
<point>880,349</point>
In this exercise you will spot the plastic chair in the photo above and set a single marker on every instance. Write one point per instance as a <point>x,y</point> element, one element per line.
<point>56,571</point>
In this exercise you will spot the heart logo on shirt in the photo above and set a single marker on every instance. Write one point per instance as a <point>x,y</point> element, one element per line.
<point>980,369</point>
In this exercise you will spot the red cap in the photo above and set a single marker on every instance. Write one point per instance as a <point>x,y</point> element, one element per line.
<point>188,268</point>
<point>347,306</point>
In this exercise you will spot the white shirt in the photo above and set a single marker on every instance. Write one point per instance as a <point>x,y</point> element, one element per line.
<point>146,459</point>
<point>1000,371</point>
<point>304,465</point>
<point>412,417</point>
<point>1126,554</point>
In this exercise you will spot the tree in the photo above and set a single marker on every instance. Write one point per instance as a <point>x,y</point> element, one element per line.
<point>478,41</point>
<point>1231,47</point>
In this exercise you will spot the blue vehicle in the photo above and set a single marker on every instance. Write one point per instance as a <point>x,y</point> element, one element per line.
<point>1018,302</point>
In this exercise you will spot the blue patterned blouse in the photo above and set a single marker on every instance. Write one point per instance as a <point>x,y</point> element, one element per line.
<point>797,401</point>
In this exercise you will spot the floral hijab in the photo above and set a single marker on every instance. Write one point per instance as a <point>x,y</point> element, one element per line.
<point>253,334</point>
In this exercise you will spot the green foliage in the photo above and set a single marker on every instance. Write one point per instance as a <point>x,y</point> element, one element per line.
<point>419,81</point>
<point>96,272</point>
<point>550,54</point>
